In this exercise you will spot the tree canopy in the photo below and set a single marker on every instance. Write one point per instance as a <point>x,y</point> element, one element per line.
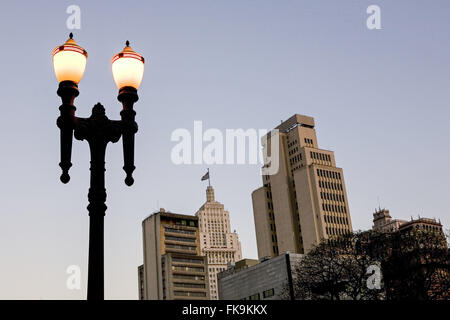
<point>370,266</point>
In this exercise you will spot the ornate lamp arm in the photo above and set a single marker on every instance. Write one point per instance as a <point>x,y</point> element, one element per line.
<point>68,91</point>
<point>128,96</point>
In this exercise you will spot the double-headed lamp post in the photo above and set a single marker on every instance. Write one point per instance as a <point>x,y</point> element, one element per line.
<point>69,62</point>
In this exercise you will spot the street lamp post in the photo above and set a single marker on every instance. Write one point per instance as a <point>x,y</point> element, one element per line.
<point>69,61</point>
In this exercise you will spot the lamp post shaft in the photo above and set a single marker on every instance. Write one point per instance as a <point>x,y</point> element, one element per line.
<point>97,209</point>
<point>98,130</point>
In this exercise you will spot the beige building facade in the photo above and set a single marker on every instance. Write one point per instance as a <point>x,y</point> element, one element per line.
<point>173,268</point>
<point>383,222</point>
<point>217,242</point>
<point>306,200</point>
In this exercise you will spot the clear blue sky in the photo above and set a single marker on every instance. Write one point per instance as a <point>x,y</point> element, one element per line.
<point>380,100</point>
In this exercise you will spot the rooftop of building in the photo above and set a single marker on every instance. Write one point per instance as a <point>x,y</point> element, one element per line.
<point>210,201</point>
<point>429,221</point>
<point>296,120</point>
<point>251,264</point>
<point>381,214</point>
<point>167,214</point>
<point>245,263</point>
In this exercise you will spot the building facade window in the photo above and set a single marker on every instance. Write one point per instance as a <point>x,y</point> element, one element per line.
<point>269,293</point>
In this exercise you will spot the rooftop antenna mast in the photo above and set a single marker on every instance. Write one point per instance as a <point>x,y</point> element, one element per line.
<point>209,179</point>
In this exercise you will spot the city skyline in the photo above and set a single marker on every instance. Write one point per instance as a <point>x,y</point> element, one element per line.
<point>379,97</point>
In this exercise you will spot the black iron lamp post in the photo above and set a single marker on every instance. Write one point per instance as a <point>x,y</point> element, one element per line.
<point>69,62</point>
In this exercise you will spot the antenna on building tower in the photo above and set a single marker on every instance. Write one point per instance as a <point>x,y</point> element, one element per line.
<point>209,178</point>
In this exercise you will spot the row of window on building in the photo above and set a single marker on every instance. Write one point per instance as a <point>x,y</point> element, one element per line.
<point>295,168</point>
<point>275,249</point>
<point>265,294</point>
<point>189,294</point>
<point>334,208</point>
<point>272,222</point>
<point>297,158</point>
<point>336,219</point>
<point>293,151</point>
<point>221,258</point>
<point>274,238</point>
<point>291,144</point>
<point>185,268</point>
<point>183,222</point>
<point>180,247</point>
<point>188,277</point>
<point>187,260</point>
<point>332,196</point>
<point>330,185</point>
<point>320,156</point>
<point>329,174</point>
<point>189,285</point>
<point>273,227</point>
<point>174,230</point>
<point>172,238</point>
<point>216,269</point>
<point>336,231</point>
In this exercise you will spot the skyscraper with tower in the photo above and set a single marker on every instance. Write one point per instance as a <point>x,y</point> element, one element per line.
<point>217,242</point>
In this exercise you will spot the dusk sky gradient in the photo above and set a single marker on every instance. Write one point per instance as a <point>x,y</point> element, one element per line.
<point>380,99</point>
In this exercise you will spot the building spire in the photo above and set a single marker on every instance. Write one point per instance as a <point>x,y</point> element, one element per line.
<point>209,194</point>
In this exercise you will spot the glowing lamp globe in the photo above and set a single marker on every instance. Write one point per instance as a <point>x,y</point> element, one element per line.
<point>69,61</point>
<point>127,68</point>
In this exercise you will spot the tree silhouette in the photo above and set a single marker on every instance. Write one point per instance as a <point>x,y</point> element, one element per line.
<point>414,264</point>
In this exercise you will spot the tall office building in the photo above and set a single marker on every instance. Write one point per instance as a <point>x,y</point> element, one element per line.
<point>306,200</point>
<point>217,242</point>
<point>173,268</point>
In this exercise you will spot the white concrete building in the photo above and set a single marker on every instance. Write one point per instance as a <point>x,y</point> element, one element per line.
<point>217,242</point>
